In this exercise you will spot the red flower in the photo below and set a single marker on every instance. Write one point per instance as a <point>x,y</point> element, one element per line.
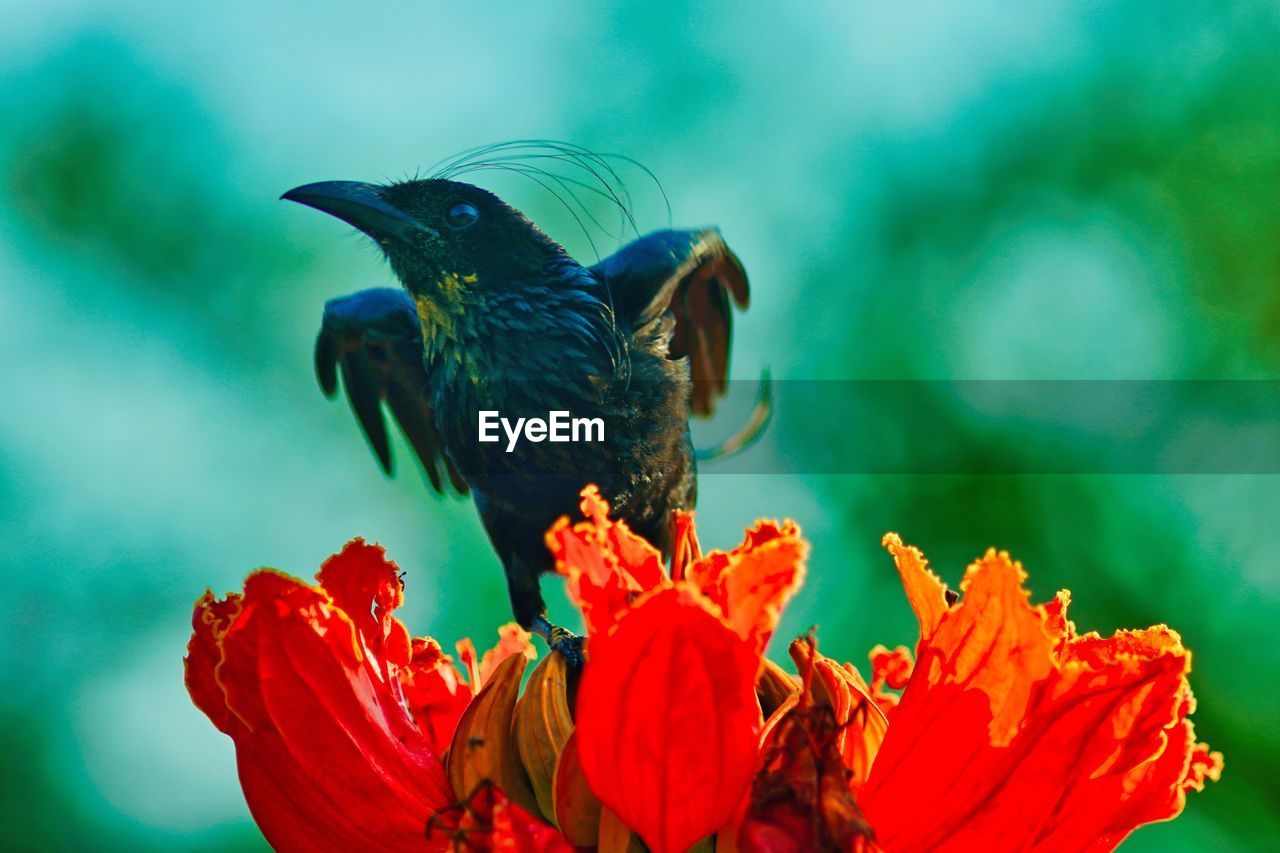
<point>337,716</point>
<point>667,718</point>
<point>1052,739</point>
<point>1011,730</point>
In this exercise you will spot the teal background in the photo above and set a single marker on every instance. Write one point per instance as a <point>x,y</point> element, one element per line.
<point>919,190</point>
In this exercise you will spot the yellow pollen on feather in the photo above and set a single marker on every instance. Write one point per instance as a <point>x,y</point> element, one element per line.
<point>451,286</point>
<point>434,321</point>
<point>437,312</point>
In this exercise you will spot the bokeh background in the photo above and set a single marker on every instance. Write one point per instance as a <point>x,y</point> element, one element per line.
<point>919,190</point>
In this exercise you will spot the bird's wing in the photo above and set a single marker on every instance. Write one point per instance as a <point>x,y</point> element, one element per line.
<point>692,275</point>
<point>374,339</point>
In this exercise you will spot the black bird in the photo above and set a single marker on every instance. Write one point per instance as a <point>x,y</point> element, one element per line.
<point>494,315</point>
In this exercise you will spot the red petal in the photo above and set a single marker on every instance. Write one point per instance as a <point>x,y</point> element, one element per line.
<point>492,822</point>
<point>667,718</point>
<point>366,586</point>
<point>328,754</point>
<point>890,667</point>
<point>435,693</point>
<point>1013,728</point>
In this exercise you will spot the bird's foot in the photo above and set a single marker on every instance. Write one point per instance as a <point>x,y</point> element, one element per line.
<point>569,645</point>
<point>563,641</point>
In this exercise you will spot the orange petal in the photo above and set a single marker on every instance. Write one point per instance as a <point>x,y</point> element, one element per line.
<point>709,568</point>
<point>761,580</point>
<point>470,662</point>
<point>1203,764</point>
<point>605,565</point>
<point>512,640</point>
<point>1011,727</point>
<point>774,686</point>
<point>668,721</point>
<point>860,722</point>
<point>593,581</point>
<point>484,746</point>
<point>543,724</point>
<point>890,667</point>
<point>616,836</point>
<point>753,582</point>
<point>890,671</point>
<point>926,592</point>
<point>636,556</point>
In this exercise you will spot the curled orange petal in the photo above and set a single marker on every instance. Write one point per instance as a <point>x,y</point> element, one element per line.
<point>684,543</point>
<point>753,582</point>
<point>925,591</point>
<point>760,581</point>
<point>605,565</point>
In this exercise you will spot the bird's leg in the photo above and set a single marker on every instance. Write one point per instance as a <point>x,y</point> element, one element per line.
<point>561,640</point>
<point>531,611</point>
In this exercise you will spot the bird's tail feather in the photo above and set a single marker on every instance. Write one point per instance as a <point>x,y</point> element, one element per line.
<point>751,430</point>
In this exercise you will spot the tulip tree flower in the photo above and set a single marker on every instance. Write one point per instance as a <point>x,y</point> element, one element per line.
<point>1006,730</point>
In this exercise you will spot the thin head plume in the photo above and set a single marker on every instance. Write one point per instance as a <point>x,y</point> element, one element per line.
<point>531,175</point>
<point>526,150</point>
<point>580,167</point>
<point>619,197</point>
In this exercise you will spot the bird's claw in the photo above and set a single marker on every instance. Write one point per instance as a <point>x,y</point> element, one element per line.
<point>569,645</point>
<point>560,640</point>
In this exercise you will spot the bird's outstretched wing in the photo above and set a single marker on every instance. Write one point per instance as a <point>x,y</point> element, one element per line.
<point>691,274</point>
<point>373,337</point>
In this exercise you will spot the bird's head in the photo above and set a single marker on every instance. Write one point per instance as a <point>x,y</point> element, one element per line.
<point>448,242</point>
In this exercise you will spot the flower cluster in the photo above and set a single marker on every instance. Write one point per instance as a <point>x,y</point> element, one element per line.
<point>1006,730</point>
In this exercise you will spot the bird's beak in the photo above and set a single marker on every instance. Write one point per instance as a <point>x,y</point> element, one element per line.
<point>360,205</point>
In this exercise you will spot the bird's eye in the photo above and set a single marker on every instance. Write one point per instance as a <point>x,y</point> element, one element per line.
<point>462,215</point>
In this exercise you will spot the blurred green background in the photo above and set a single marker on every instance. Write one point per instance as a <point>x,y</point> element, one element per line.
<point>925,190</point>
